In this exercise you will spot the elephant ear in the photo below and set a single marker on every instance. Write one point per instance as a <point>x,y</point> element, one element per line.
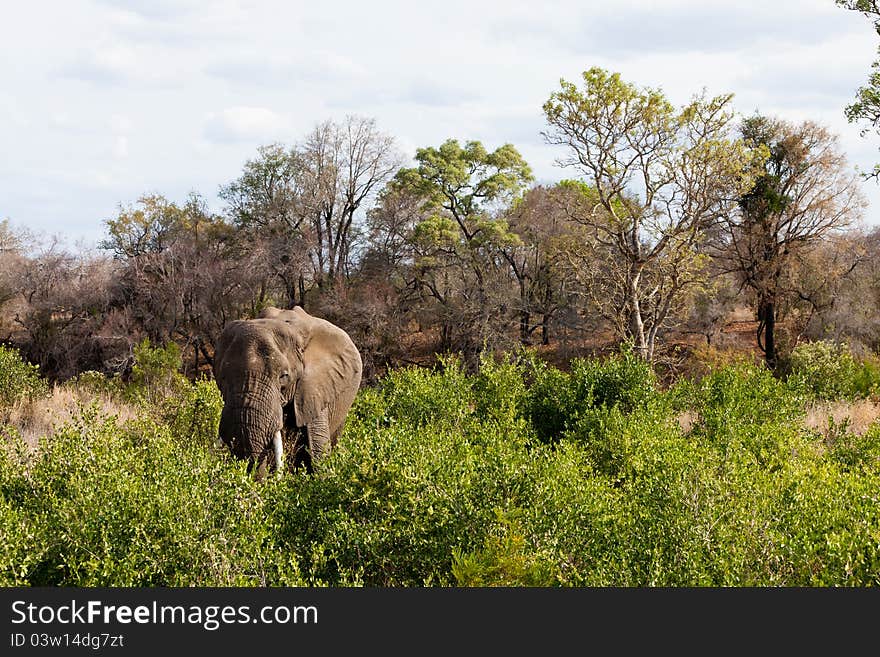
<point>331,365</point>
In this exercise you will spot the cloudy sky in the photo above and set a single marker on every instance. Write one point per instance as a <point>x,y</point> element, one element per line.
<point>106,100</point>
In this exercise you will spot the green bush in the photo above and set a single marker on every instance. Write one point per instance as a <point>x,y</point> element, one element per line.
<point>155,374</point>
<point>557,401</point>
<point>499,390</point>
<point>866,379</point>
<point>828,370</point>
<point>195,415</point>
<point>18,378</point>
<point>436,480</point>
<point>504,559</point>
<point>419,395</point>
<point>134,505</point>
<point>623,381</point>
<point>550,403</point>
<point>94,382</point>
<point>21,543</point>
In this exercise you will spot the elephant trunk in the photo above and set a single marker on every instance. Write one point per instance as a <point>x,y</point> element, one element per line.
<point>252,415</point>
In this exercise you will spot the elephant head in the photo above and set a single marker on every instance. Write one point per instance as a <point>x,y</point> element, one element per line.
<point>284,374</point>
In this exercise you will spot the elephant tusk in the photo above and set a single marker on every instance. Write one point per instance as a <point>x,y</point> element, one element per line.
<point>279,452</point>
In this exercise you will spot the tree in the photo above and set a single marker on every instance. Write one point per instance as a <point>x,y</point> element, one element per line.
<point>834,290</point>
<point>386,286</point>
<point>266,203</point>
<point>654,179</point>
<point>344,165</point>
<point>804,193</point>
<point>64,300</point>
<point>866,107</point>
<point>458,242</point>
<point>536,260</point>
<point>302,202</point>
<point>183,275</point>
<point>13,244</point>
<point>850,313</point>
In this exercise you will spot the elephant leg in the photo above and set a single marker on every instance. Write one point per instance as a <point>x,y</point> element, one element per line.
<point>296,440</point>
<point>311,442</point>
<point>260,469</point>
<point>298,455</point>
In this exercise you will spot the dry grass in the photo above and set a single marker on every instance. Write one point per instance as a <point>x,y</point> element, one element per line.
<point>39,418</point>
<point>687,420</point>
<point>859,414</point>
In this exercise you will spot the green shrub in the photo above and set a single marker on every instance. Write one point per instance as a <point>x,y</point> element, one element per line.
<point>504,559</point>
<point>623,381</point>
<point>499,390</point>
<point>828,370</point>
<point>419,395</point>
<point>155,374</point>
<point>852,451</point>
<point>135,505</point>
<point>21,543</point>
<point>391,506</point>
<point>825,526</point>
<point>195,415</point>
<point>550,403</point>
<point>555,400</point>
<point>436,480</point>
<point>18,378</point>
<point>97,383</point>
<point>866,379</point>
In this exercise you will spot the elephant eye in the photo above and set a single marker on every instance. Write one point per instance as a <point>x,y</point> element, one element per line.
<point>285,377</point>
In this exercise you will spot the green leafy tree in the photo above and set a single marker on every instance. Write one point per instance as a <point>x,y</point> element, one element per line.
<point>654,178</point>
<point>866,107</point>
<point>266,204</point>
<point>460,236</point>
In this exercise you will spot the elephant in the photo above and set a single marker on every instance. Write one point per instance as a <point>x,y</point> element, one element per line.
<point>284,374</point>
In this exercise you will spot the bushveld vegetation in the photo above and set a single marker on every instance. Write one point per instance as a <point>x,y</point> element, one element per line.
<point>518,474</point>
<point>668,222</point>
<point>661,370</point>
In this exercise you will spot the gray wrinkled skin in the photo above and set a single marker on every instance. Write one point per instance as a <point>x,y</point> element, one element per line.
<point>286,378</point>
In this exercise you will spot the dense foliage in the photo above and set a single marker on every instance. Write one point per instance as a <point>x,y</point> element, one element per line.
<point>519,475</point>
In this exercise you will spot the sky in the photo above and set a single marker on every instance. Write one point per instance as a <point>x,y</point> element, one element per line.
<point>104,101</point>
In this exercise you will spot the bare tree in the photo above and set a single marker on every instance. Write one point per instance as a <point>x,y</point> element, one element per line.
<point>830,283</point>
<point>345,164</point>
<point>64,299</point>
<point>184,286</point>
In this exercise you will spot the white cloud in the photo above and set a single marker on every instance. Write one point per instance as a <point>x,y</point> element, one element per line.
<point>120,147</point>
<point>175,95</point>
<point>253,124</point>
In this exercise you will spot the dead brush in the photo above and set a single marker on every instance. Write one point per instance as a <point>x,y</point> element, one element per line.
<point>687,420</point>
<point>41,416</point>
<point>826,418</point>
